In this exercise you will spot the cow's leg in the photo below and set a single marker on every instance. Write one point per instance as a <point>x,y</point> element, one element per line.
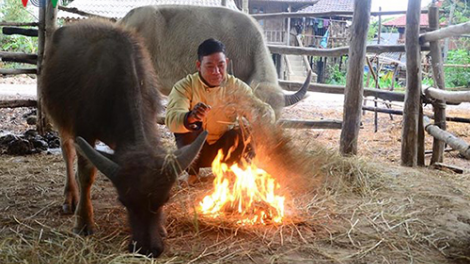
<point>71,189</point>
<point>86,176</point>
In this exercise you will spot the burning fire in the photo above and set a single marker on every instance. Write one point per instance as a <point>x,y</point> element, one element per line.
<point>248,194</point>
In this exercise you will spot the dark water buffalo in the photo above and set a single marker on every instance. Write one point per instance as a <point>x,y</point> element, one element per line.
<point>99,84</point>
<point>173,33</point>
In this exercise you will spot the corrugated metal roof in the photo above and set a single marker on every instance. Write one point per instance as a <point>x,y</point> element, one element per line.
<point>329,6</point>
<point>118,9</point>
<point>401,21</point>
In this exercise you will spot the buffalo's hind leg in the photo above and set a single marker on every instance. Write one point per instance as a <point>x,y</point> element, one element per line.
<point>84,223</point>
<point>71,189</point>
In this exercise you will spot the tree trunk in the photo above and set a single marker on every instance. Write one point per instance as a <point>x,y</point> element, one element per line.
<point>409,146</point>
<point>354,82</point>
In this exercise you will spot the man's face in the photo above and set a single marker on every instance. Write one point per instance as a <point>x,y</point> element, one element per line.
<point>213,68</point>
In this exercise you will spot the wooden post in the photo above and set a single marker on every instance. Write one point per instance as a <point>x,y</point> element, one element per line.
<point>409,142</point>
<point>245,6</point>
<point>379,35</point>
<point>288,27</point>
<point>354,82</point>
<point>421,137</point>
<point>438,75</point>
<point>47,24</point>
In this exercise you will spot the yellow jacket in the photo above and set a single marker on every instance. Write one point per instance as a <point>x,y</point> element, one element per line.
<point>231,99</point>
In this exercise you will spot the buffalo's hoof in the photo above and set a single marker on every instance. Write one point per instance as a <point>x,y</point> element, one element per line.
<point>68,209</point>
<point>84,231</point>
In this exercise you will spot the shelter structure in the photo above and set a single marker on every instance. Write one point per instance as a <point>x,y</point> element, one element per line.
<point>117,9</point>
<point>326,30</point>
<point>276,30</point>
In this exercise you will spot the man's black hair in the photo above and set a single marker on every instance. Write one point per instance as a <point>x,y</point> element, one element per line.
<point>208,47</point>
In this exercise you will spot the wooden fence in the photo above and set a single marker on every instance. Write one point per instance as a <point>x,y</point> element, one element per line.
<point>354,90</point>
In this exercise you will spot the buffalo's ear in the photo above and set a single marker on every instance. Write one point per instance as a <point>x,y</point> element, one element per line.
<point>108,167</point>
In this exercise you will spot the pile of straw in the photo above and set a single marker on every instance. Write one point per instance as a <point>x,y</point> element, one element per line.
<point>339,210</point>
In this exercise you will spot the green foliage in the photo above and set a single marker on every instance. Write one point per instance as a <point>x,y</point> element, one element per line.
<point>457,76</point>
<point>461,12</point>
<point>13,11</point>
<point>335,76</point>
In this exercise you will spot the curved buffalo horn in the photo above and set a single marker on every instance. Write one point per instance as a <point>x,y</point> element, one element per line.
<point>291,99</point>
<point>104,164</point>
<point>187,154</point>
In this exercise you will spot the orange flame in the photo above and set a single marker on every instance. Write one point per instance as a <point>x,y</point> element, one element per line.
<point>248,194</point>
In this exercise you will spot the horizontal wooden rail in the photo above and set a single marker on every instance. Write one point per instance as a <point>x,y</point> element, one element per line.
<point>18,57</point>
<point>451,31</point>
<point>448,96</point>
<point>20,31</point>
<point>324,14</point>
<point>336,52</point>
<point>448,138</point>
<point>320,124</point>
<point>400,112</point>
<point>336,89</point>
<point>18,103</point>
<point>18,71</point>
<point>18,24</point>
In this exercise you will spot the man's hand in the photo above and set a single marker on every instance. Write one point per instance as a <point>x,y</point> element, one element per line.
<point>198,113</point>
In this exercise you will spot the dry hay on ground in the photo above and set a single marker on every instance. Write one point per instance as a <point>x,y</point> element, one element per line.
<point>353,211</point>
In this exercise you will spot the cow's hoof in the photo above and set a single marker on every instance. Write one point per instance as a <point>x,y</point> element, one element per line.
<point>84,231</point>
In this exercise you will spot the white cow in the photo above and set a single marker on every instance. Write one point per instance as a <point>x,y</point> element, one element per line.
<point>172,35</point>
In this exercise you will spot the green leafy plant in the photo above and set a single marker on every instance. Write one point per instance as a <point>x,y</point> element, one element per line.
<point>335,76</point>
<point>457,76</point>
<point>13,11</point>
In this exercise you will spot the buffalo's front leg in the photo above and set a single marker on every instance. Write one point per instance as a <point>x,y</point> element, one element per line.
<point>84,223</point>
<point>71,189</point>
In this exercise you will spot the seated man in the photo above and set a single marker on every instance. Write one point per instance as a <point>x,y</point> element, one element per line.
<point>212,100</point>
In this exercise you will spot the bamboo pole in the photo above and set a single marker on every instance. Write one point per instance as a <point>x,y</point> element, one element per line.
<point>438,75</point>
<point>336,52</point>
<point>354,82</point>
<point>409,146</point>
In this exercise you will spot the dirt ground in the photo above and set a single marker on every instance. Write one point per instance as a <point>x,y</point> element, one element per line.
<point>380,213</point>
